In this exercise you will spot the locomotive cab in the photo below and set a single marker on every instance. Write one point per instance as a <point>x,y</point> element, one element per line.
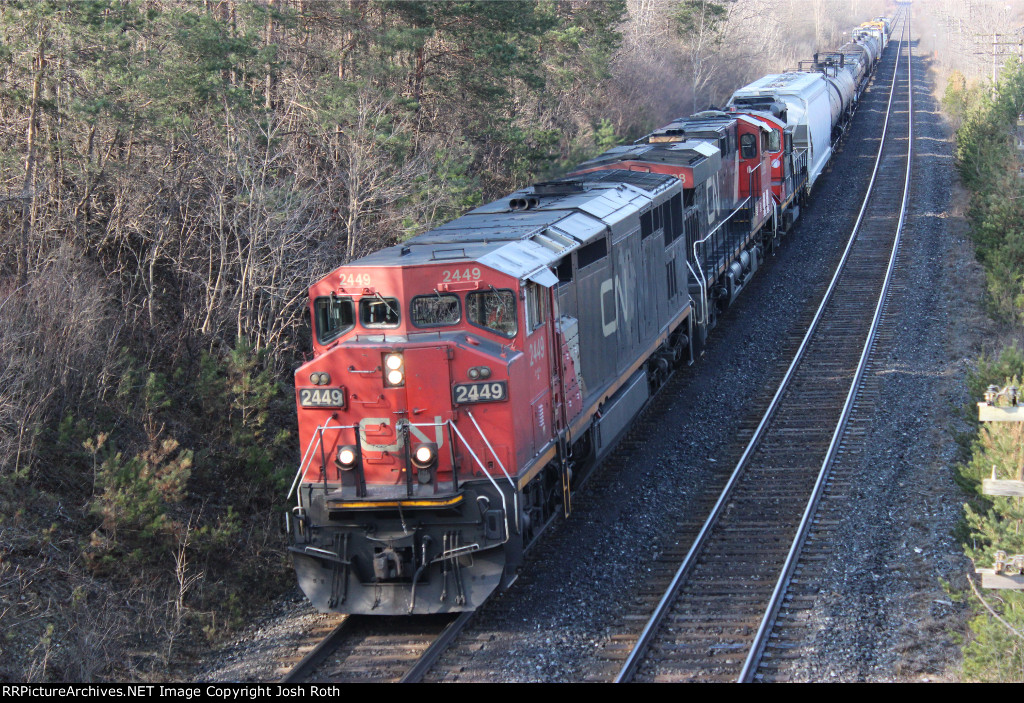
<point>406,421</point>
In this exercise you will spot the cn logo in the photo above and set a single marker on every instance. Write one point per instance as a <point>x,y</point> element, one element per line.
<point>375,425</point>
<point>613,298</point>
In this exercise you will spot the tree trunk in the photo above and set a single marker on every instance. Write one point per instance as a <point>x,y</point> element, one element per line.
<point>28,188</point>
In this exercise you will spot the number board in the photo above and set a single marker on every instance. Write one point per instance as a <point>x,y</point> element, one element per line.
<point>487,392</point>
<point>322,397</point>
<point>455,275</point>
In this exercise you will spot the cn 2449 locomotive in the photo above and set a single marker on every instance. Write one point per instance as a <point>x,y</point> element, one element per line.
<point>463,381</point>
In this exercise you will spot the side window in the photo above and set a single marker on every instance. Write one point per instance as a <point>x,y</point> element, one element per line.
<point>774,141</point>
<point>646,224</point>
<point>591,253</point>
<point>536,306</point>
<point>378,312</point>
<point>438,310</point>
<point>748,146</point>
<point>677,214</point>
<point>333,317</point>
<point>564,271</point>
<point>673,219</point>
<point>494,310</point>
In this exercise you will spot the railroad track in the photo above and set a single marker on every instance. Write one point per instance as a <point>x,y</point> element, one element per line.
<point>370,649</point>
<point>714,620</point>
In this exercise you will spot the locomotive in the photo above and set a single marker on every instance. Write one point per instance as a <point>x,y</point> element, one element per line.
<point>463,381</point>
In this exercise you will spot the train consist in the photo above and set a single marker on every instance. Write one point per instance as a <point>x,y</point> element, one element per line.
<point>462,381</point>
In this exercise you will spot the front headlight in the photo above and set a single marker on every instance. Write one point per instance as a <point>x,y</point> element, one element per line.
<point>424,455</point>
<point>424,458</point>
<point>347,457</point>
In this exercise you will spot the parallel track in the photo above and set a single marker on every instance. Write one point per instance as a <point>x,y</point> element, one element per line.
<point>712,622</point>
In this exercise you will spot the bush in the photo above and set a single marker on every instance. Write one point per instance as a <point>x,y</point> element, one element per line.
<point>133,505</point>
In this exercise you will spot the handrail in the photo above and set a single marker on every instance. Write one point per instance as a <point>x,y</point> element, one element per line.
<point>512,483</point>
<point>504,506</point>
<point>696,259</point>
<point>703,293</point>
<point>315,441</point>
<point>308,453</point>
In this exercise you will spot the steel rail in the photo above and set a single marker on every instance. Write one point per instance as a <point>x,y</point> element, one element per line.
<point>435,650</point>
<point>415,673</point>
<point>653,623</point>
<point>768,622</point>
<point>316,655</point>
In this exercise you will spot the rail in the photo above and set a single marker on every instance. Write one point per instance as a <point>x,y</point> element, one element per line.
<point>357,638</point>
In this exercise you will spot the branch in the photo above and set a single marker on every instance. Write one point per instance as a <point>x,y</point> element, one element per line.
<point>994,614</point>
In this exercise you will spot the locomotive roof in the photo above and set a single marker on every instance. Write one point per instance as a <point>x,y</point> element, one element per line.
<point>709,124</point>
<point>524,233</point>
<point>688,153</point>
<point>703,158</point>
<point>765,118</point>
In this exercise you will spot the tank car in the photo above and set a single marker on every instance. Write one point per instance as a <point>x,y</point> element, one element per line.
<point>857,58</point>
<point>460,379</point>
<point>816,103</point>
<point>842,82</point>
<point>872,39</point>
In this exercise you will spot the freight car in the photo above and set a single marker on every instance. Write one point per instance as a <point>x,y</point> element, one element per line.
<point>463,381</point>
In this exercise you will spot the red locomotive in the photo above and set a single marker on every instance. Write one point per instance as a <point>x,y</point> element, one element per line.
<point>463,380</point>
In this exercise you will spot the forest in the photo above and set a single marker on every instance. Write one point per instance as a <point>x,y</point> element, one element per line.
<point>989,165</point>
<point>178,173</point>
<point>983,100</point>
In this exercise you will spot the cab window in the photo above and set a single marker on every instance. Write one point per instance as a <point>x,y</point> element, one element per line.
<point>378,312</point>
<point>494,310</point>
<point>333,317</point>
<point>774,141</point>
<point>748,146</point>
<point>437,310</point>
